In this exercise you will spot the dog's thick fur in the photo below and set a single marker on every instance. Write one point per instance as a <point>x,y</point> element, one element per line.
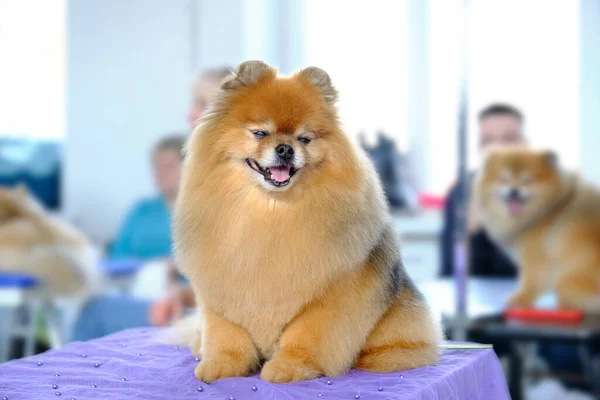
<point>554,236</point>
<point>307,277</point>
<point>37,244</point>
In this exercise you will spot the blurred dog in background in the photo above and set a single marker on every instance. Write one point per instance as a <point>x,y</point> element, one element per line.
<point>36,244</point>
<point>548,220</point>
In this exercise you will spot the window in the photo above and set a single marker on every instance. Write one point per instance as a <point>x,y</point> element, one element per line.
<point>521,52</point>
<point>363,45</point>
<point>32,69</point>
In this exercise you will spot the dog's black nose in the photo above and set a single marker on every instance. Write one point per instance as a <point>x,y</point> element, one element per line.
<point>285,151</point>
<point>514,194</point>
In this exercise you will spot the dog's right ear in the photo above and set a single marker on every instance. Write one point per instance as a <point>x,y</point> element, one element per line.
<point>248,73</point>
<point>551,158</point>
<point>490,158</point>
<point>321,80</point>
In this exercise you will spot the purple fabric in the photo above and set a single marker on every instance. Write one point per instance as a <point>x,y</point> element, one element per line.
<point>132,365</point>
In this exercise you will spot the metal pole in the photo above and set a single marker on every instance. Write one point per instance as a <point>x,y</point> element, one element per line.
<point>461,236</point>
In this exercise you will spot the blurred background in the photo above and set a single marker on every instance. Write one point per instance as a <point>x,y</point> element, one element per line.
<point>90,89</point>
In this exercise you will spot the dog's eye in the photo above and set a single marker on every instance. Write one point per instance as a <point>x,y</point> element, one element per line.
<point>504,178</point>
<point>260,134</point>
<point>304,140</point>
<point>527,180</point>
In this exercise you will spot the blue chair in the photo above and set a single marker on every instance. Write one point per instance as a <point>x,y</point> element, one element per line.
<point>119,268</point>
<point>120,273</point>
<point>13,296</point>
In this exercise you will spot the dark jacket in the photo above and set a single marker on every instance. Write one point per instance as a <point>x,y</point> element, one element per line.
<point>485,258</point>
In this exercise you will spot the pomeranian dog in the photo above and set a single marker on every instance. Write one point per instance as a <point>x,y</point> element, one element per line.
<point>282,229</point>
<point>36,244</point>
<point>548,220</point>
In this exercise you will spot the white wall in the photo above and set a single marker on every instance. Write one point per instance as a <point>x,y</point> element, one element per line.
<point>128,85</point>
<point>27,41</point>
<point>217,33</point>
<point>590,89</point>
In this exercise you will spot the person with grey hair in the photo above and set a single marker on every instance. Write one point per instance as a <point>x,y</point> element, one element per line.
<point>205,87</point>
<point>146,235</point>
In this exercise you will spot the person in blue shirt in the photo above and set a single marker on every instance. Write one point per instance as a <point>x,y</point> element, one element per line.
<point>145,235</point>
<point>146,232</point>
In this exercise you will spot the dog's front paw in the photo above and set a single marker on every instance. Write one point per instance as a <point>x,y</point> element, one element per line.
<point>284,368</point>
<point>210,370</point>
<point>520,300</point>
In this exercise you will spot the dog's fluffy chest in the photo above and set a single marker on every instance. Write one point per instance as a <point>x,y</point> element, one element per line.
<point>261,276</point>
<point>262,294</point>
<point>259,263</point>
<point>539,248</point>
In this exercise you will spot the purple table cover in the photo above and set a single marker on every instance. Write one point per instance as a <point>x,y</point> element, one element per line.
<point>133,364</point>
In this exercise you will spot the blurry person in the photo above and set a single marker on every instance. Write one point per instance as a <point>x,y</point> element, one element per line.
<point>205,87</point>
<point>146,232</point>
<point>146,235</point>
<point>499,125</point>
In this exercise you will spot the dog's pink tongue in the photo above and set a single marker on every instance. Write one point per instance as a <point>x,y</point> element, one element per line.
<point>280,174</point>
<point>515,206</point>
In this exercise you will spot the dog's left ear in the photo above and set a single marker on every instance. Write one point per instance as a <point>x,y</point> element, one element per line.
<point>551,159</point>
<point>248,73</point>
<point>322,81</point>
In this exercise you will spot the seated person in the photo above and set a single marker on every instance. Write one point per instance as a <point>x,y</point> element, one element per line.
<point>499,125</point>
<point>146,232</point>
<point>146,235</point>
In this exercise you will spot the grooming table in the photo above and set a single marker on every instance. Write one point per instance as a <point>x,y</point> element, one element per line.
<point>133,364</point>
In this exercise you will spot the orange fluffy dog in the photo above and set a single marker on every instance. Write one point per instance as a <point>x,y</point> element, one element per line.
<point>282,229</point>
<point>548,220</point>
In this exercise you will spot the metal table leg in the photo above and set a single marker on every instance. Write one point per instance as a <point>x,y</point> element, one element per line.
<point>515,378</point>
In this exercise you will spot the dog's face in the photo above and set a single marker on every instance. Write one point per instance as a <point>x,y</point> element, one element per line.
<point>276,129</point>
<point>516,183</point>
<point>276,156</point>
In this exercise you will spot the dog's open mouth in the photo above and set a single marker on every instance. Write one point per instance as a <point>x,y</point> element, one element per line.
<point>515,206</point>
<point>279,175</point>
